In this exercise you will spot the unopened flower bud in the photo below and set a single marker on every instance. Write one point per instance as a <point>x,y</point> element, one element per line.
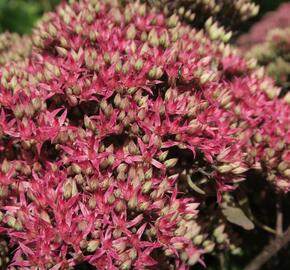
<point>170,163</point>
<point>164,40</point>
<point>37,103</point>
<point>208,246</point>
<point>133,202</point>
<point>4,191</point>
<point>139,64</point>
<point>52,30</point>
<point>282,166</point>
<point>131,32</point>
<point>11,221</point>
<point>67,190</point>
<point>197,240</point>
<point>126,265</point>
<point>93,245</point>
<point>133,254</point>
<point>152,73</point>
<point>83,244</point>
<point>76,168</point>
<point>144,206</point>
<point>163,156</point>
<point>225,168</point>
<point>148,174</point>
<point>193,259</point>
<point>172,21</point>
<point>93,184</point>
<point>153,38</point>
<point>97,6</point>
<point>5,166</point>
<point>144,36</point>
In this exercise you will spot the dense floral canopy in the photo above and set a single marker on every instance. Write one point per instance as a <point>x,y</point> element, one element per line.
<point>111,121</point>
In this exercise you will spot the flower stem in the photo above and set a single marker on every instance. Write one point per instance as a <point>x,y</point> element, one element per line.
<point>269,251</point>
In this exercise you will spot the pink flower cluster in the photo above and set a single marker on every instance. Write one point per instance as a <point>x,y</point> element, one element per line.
<point>258,33</point>
<point>110,122</point>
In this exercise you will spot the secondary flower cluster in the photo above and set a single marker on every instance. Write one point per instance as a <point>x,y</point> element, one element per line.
<point>13,47</point>
<point>259,32</point>
<point>228,13</point>
<point>116,115</point>
<point>271,48</point>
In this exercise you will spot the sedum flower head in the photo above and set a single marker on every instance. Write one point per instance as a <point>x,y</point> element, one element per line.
<point>259,32</point>
<point>268,43</point>
<point>107,129</point>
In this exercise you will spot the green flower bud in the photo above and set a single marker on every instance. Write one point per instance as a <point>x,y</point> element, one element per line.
<point>193,259</point>
<point>219,230</point>
<point>152,73</point>
<point>93,36</point>
<point>52,30</point>
<point>282,166</point>
<point>163,155</point>
<point>164,40</point>
<point>126,265</point>
<point>76,168</point>
<point>148,174</point>
<point>133,254</point>
<point>172,21</point>
<point>93,245</point>
<point>11,221</point>
<point>225,168</point>
<point>4,191</point>
<point>18,226</point>
<point>170,163</point>
<point>197,240</point>
<point>153,38</point>
<point>147,186</point>
<point>131,32</point>
<point>139,64</point>
<point>97,7</point>
<point>5,166</point>
<point>83,244</point>
<point>37,103</point>
<point>67,190</point>
<point>133,202</point>
<point>144,206</point>
<point>144,36</point>
<point>93,184</point>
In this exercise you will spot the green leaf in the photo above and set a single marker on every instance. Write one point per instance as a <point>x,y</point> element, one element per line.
<point>237,216</point>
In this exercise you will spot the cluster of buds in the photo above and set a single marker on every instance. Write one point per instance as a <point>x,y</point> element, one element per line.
<point>227,13</point>
<point>268,42</point>
<point>13,47</point>
<point>216,32</point>
<point>273,54</point>
<point>107,129</point>
<point>259,32</point>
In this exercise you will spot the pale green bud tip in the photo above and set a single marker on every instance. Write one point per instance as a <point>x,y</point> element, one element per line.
<point>172,21</point>
<point>139,64</point>
<point>93,245</point>
<point>67,192</point>
<point>170,163</point>
<point>131,32</point>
